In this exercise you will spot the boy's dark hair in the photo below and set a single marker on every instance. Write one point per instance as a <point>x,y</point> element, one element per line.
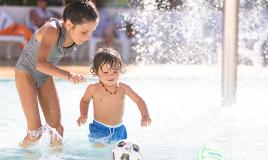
<point>80,11</point>
<point>107,56</point>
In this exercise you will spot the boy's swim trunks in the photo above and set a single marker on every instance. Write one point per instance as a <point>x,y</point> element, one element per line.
<point>106,134</point>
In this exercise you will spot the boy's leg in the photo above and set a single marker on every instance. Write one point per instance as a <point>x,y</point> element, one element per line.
<point>28,98</point>
<point>50,105</point>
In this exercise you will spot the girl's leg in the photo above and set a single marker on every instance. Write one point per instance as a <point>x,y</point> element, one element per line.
<point>28,98</point>
<point>50,105</point>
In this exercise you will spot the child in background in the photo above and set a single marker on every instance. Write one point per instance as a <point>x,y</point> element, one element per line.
<point>108,96</point>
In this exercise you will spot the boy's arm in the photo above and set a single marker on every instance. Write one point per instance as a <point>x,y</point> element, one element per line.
<point>84,102</point>
<point>146,120</point>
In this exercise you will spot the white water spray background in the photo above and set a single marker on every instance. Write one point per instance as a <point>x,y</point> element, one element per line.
<point>191,33</point>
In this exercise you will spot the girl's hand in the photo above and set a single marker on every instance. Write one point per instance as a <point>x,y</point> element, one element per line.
<point>82,120</point>
<point>145,121</point>
<point>76,78</point>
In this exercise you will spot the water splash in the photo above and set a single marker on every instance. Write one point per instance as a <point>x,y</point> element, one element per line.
<point>168,34</point>
<point>52,132</point>
<point>252,31</point>
<point>191,32</point>
<point>54,135</point>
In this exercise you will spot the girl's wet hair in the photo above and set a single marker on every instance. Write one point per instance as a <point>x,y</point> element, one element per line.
<point>107,56</point>
<point>80,11</point>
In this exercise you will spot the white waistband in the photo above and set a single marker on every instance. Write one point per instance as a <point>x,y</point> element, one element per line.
<point>110,126</point>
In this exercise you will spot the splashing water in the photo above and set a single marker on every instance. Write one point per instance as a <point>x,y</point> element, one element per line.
<point>55,136</point>
<point>253,31</point>
<point>174,35</point>
<point>191,33</point>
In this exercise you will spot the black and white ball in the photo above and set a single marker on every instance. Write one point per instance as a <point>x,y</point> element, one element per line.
<point>126,150</point>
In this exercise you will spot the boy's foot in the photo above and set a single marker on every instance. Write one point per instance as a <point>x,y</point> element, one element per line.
<point>99,145</point>
<point>29,140</point>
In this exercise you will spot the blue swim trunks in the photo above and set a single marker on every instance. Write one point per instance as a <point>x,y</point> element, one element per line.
<point>106,134</point>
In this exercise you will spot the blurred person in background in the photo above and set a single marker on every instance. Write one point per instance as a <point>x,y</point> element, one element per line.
<point>39,15</point>
<point>109,38</point>
<point>104,18</point>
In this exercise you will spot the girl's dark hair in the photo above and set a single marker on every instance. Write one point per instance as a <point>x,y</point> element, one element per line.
<point>107,56</point>
<point>80,11</point>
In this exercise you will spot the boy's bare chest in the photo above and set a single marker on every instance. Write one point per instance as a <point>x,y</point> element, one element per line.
<point>109,99</point>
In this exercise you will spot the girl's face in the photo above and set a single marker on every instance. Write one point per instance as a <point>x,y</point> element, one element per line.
<point>82,33</point>
<point>107,75</point>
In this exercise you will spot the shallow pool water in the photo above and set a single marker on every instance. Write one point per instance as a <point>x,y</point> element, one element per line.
<point>185,106</point>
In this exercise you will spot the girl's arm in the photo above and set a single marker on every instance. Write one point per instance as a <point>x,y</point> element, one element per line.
<point>48,39</point>
<point>146,120</point>
<point>84,102</point>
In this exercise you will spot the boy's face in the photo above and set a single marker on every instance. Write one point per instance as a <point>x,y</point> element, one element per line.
<point>107,75</point>
<point>82,33</point>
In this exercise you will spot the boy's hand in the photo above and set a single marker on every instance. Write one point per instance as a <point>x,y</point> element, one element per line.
<point>145,121</point>
<point>82,120</point>
<point>76,78</point>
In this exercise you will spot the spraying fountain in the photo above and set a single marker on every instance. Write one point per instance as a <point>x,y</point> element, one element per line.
<point>201,32</point>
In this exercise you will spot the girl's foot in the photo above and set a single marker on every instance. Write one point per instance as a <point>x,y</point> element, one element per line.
<point>55,143</point>
<point>27,141</point>
<point>55,135</point>
<point>56,146</point>
<point>31,138</point>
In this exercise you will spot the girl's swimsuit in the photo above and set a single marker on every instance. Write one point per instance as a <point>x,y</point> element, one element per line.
<point>27,60</point>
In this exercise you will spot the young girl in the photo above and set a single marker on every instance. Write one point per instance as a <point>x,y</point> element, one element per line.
<point>108,97</point>
<point>36,66</point>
